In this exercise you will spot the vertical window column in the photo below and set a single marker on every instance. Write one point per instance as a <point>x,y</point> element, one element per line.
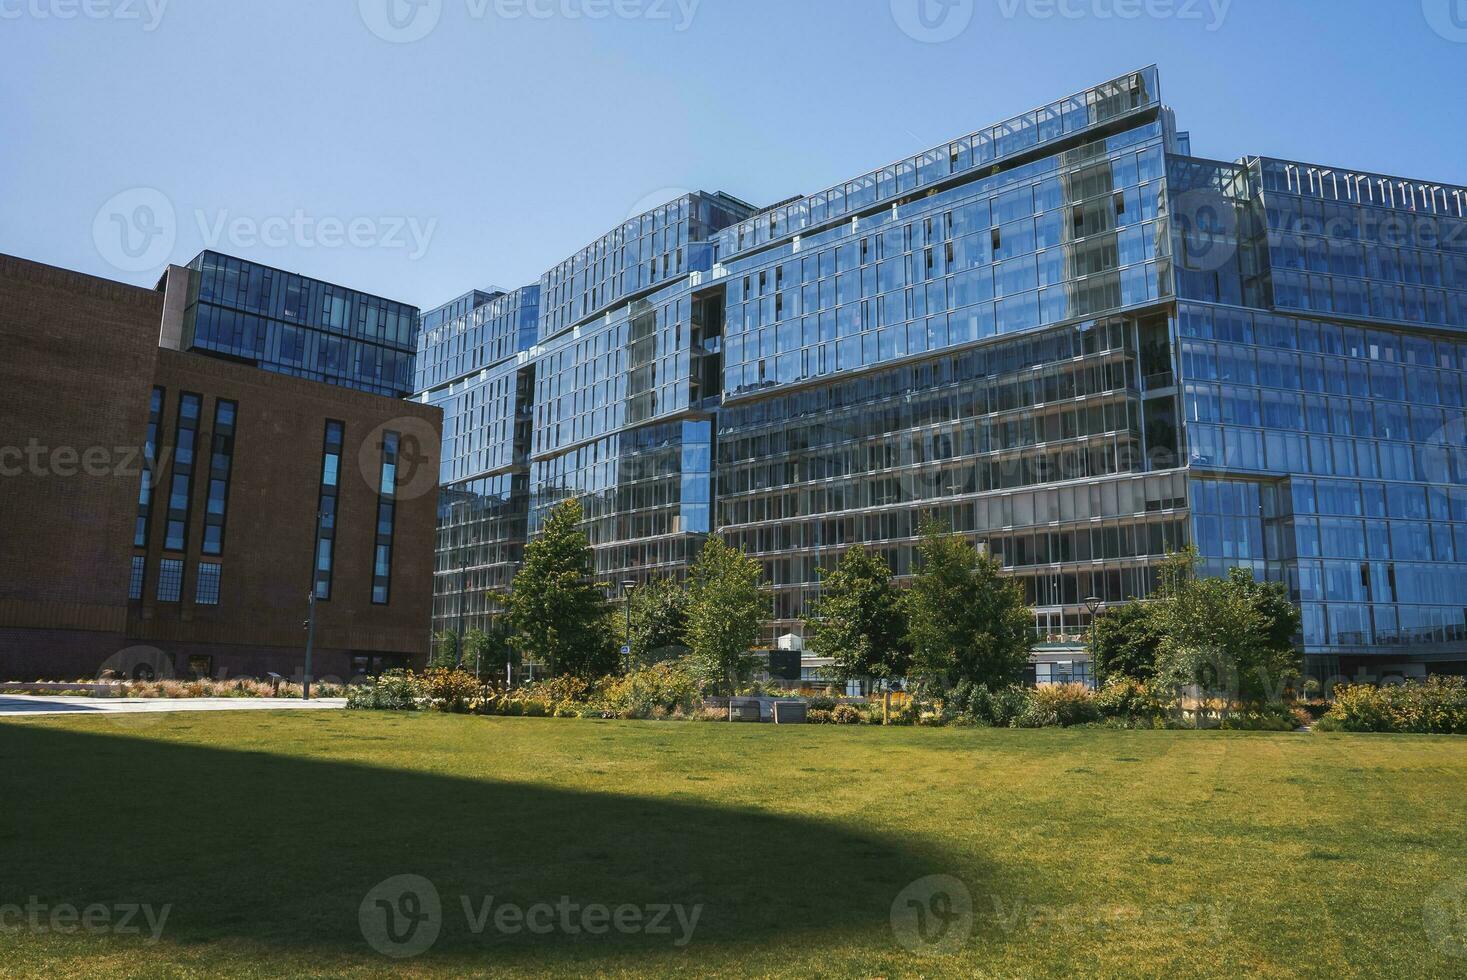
<point>150,468</point>
<point>326,507</point>
<point>180,490</point>
<point>221,460</point>
<point>135,580</point>
<point>386,507</point>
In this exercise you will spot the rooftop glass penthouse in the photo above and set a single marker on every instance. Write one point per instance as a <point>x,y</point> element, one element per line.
<point>294,325</point>
<point>1061,334</point>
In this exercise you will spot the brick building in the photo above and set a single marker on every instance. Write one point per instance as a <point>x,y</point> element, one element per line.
<point>161,498</point>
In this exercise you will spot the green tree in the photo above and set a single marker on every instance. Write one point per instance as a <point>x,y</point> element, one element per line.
<point>726,610</point>
<point>659,613</point>
<point>859,621</point>
<point>555,608</point>
<point>1231,637</point>
<point>1124,642</point>
<point>486,651</point>
<point>445,650</point>
<point>968,622</point>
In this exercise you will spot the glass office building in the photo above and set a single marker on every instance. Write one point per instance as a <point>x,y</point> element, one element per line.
<point>290,324</point>
<point>1062,335</point>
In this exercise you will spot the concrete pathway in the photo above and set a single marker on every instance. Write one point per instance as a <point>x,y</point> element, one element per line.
<point>27,705</point>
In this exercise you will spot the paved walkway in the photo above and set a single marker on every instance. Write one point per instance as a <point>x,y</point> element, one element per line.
<point>27,705</point>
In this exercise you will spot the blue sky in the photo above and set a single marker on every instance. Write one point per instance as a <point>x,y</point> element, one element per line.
<point>318,136</point>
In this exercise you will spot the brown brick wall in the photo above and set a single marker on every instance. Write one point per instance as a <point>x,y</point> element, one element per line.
<point>85,360</point>
<point>76,363</point>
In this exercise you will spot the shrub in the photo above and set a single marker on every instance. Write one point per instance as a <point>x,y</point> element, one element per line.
<point>668,686</point>
<point>819,716</point>
<point>845,714</point>
<point>453,691</point>
<point>1058,704</point>
<point>1127,697</point>
<point>395,690</point>
<point>534,708</point>
<point>567,690</point>
<point>999,708</point>
<point>1438,706</point>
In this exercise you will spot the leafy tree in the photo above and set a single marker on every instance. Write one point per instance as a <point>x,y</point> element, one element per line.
<point>659,612</point>
<point>1124,642</point>
<point>1231,636</point>
<point>486,651</point>
<point>556,610</point>
<point>967,621</point>
<point>859,621</point>
<point>445,650</point>
<point>725,612</point>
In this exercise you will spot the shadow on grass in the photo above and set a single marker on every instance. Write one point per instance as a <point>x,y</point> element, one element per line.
<point>282,851</point>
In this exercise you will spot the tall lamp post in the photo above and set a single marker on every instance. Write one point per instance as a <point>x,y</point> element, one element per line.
<point>310,642</point>
<point>1092,603</point>
<point>627,588</point>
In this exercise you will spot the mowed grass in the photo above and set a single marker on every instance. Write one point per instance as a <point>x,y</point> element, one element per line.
<point>1084,852</point>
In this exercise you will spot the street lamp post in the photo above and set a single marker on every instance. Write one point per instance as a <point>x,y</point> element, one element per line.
<point>627,588</point>
<point>1093,604</point>
<point>310,642</point>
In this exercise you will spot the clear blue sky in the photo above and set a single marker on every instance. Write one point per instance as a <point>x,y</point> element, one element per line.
<point>512,140</point>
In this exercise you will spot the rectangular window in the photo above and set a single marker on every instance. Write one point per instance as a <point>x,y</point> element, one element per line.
<point>170,580</point>
<point>135,582</point>
<point>150,464</point>
<point>206,592</point>
<point>180,489</point>
<point>326,506</point>
<point>386,514</point>
<point>221,462</point>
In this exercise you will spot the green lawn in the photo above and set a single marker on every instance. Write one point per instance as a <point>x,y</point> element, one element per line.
<point>1084,852</point>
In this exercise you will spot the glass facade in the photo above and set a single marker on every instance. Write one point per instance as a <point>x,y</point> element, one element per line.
<point>283,322</point>
<point>1063,335</point>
